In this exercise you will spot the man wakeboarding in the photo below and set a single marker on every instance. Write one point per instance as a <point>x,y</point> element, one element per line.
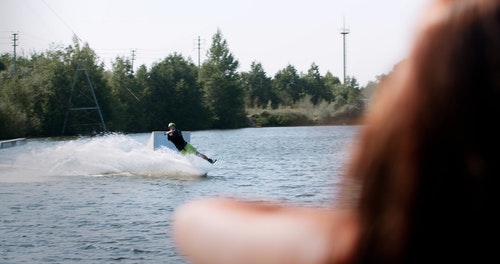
<point>175,136</point>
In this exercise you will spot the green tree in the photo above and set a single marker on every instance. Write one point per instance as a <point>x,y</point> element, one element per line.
<point>349,100</point>
<point>288,86</point>
<point>24,96</point>
<point>224,93</point>
<point>84,64</point>
<point>314,85</point>
<point>14,116</point>
<point>174,94</point>
<point>353,89</point>
<point>45,81</point>
<point>125,100</point>
<point>52,69</point>
<point>331,82</point>
<point>258,88</point>
<point>147,119</point>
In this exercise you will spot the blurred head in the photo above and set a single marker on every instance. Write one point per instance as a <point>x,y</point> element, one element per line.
<point>428,156</point>
<point>171,125</point>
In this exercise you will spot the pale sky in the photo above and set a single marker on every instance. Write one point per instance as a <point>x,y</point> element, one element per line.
<point>275,33</point>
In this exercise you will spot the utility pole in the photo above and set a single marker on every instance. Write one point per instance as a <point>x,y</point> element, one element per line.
<point>344,32</point>
<point>199,50</point>
<point>14,39</point>
<point>133,58</point>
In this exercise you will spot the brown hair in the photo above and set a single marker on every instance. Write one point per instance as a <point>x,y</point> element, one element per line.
<point>427,159</point>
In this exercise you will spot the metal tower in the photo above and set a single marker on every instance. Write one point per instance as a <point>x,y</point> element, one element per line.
<point>81,68</point>
<point>344,32</point>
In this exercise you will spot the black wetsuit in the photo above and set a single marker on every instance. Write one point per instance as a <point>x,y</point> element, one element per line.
<point>178,140</point>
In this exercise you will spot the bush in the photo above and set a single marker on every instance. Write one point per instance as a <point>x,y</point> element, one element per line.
<point>281,118</point>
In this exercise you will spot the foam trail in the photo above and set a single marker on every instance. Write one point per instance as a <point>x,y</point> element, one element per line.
<point>107,155</point>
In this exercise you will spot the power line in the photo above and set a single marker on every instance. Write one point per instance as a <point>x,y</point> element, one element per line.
<point>62,21</point>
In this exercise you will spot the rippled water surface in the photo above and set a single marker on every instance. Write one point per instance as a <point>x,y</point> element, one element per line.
<point>110,199</point>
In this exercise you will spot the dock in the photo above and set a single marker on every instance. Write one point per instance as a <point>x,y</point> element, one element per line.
<point>12,142</point>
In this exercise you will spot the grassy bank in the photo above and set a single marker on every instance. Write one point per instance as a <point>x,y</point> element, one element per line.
<point>306,114</point>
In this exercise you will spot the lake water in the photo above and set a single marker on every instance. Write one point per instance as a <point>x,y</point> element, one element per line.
<point>110,199</point>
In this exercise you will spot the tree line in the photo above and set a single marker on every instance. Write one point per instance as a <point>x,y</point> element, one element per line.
<point>68,91</point>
